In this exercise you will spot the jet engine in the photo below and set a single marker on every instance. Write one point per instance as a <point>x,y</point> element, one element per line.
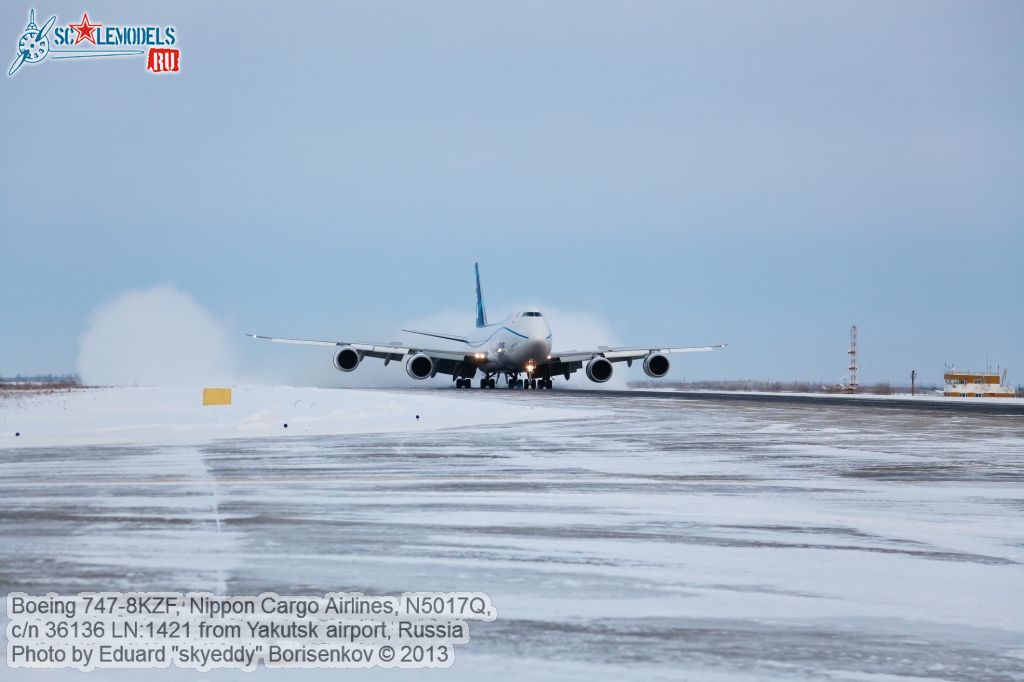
<point>419,366</point>
<point>347,359</point>
<point>599,370</point>
<point>656,365</point>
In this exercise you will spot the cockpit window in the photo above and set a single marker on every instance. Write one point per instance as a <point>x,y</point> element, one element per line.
<point>531,314</point>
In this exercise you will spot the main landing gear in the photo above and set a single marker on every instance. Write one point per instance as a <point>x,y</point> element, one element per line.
<point>513,381</point>
<point>486,382</point>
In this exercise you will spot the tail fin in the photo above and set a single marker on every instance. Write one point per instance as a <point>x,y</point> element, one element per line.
<point>481,314</point>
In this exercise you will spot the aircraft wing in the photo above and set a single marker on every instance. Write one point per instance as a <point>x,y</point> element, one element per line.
<point>446,361</point>
<point>568,362</point>
<point>627,354</point>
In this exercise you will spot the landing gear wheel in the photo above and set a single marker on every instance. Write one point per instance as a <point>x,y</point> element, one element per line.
<point>533,383</point>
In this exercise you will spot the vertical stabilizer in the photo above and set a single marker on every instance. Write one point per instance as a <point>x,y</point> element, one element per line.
<point>481,314</point>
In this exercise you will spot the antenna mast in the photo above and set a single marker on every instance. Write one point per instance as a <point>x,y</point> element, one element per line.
<point>853,360</point>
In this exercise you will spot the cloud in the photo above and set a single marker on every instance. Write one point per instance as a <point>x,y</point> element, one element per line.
<point>156,336</point>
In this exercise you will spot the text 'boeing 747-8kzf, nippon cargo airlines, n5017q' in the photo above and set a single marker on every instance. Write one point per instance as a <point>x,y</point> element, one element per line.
<point>518,347</point>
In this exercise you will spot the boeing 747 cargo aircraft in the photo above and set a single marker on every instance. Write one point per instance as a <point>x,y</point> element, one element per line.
<point>518,348</point>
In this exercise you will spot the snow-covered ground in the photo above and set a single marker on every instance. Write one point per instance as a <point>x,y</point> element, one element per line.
<point>642,539</point>
<point>165,415</point>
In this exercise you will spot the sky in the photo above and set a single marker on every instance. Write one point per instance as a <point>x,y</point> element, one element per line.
<point>762,174</point>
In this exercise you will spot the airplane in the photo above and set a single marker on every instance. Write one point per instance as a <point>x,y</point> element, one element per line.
<point>517,348</point>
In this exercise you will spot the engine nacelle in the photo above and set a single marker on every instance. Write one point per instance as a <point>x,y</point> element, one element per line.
<point>656,365</point>
<point>420,366</point>
<point>347,359</point>
<point>599,370</point>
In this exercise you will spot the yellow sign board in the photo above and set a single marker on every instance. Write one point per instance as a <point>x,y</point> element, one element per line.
<point>216,396</point>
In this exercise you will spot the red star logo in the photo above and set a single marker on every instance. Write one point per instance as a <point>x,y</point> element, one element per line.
<point>85,30</point>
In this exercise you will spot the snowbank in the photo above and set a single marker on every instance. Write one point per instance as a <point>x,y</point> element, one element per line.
<point>166,415</point>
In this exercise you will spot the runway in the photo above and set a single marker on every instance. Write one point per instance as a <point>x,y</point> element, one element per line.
<point>653,539</point>
<point>999,406</point>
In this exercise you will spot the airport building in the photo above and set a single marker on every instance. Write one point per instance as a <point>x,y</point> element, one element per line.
<point>975,385</point>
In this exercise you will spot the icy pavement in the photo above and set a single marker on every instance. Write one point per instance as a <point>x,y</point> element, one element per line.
<point>163,415</point>
<point>664,540</point>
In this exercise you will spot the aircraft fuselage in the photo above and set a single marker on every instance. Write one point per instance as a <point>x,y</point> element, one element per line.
<point>518,343</point>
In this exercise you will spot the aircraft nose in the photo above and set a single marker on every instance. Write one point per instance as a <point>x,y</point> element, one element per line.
<point>537,348</point>
<point>542,335</point>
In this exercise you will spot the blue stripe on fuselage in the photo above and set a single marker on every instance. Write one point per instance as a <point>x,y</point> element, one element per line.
<point>477,345</point>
